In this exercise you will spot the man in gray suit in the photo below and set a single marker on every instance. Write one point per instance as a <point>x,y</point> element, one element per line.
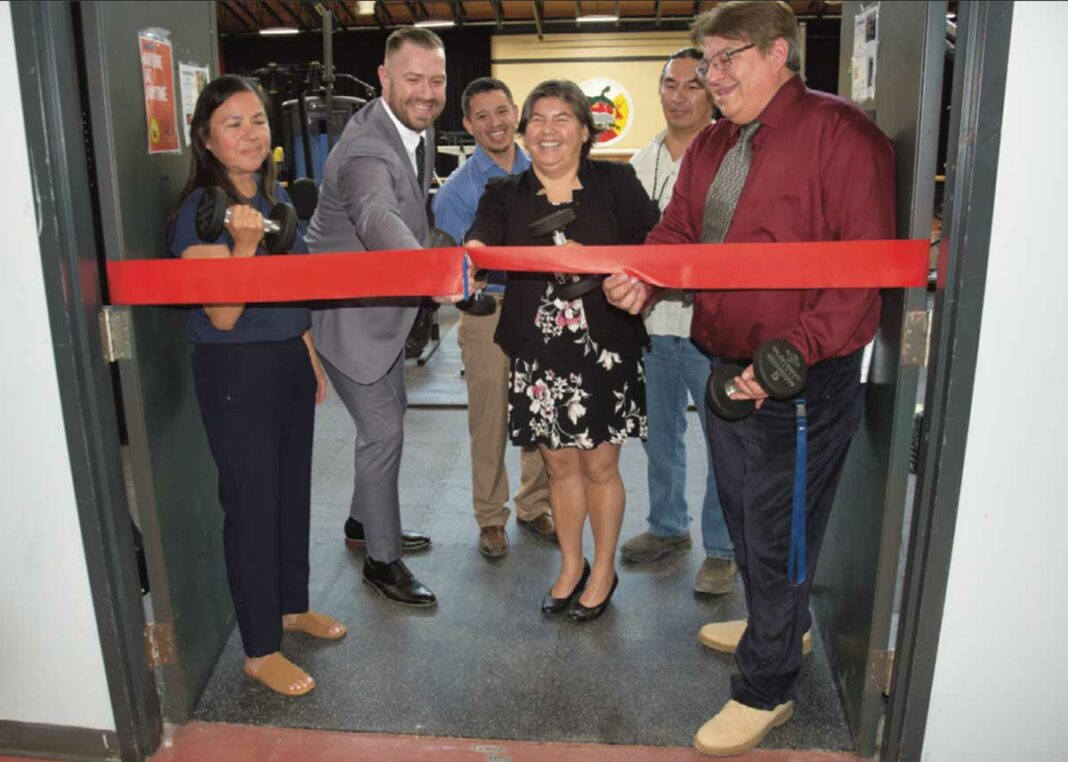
<point>374,197</point>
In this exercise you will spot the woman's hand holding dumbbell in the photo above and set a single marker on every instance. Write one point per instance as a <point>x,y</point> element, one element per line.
<point>245,226</point>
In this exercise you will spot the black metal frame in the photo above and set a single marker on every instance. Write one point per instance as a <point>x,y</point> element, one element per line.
<point>45,47</point>
<point>975,135</point>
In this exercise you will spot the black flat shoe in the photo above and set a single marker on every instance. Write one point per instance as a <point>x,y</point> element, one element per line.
<point>550,605</point>
<point>396,583</point>
<point>580,613</point>
<point>355,538</point>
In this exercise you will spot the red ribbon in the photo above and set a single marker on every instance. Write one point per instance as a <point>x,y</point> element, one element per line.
<point>439,272</point>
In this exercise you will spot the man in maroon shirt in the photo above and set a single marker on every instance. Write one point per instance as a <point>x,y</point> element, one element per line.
<point>820,170</point>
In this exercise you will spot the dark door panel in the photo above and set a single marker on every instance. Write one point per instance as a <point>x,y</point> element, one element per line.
<point>174,478</point>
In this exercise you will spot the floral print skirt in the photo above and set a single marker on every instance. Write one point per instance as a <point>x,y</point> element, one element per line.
<point>566,391</point>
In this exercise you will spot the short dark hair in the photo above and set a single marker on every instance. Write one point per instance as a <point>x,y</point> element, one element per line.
<point>572,95</point>
<point>689,52</point>
<point>479,86</point>
<point>756,21</point>
<point>423,38</point>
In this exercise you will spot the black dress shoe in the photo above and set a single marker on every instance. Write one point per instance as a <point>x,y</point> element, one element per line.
<point>550,605</point>
<point>580,613</point>
<point>394,581</point>
<point>354,537</point>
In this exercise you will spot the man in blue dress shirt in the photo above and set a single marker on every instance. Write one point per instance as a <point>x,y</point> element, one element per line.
<point>491,116</point>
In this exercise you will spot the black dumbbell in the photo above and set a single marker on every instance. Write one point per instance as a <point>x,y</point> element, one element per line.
<point>478,303</point>
<point>567,286</point>
<point>279,227</point>
<point>777,366</point>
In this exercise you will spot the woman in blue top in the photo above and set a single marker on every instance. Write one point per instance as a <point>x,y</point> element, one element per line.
<point>257,380</point>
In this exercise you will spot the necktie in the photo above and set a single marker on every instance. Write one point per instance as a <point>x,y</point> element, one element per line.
<point>722,198</point>
<point>420,160</point>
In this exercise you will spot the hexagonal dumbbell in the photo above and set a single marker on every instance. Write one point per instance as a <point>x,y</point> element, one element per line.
<point>777,366</point>
<point>279,226</point>
<point>567,286</point>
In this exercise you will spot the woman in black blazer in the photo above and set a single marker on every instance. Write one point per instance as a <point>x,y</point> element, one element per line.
<point>577,387</point>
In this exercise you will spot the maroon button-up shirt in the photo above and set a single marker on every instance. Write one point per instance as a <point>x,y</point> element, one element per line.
<point>821,171</point>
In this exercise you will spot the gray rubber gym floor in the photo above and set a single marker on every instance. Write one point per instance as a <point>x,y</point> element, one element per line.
<point>486,663</point>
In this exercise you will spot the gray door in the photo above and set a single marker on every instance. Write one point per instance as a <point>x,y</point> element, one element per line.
<point>853,594</point>
<point>173,476</point>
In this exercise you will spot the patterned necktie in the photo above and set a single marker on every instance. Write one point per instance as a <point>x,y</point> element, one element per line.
<point>420,160</point>
<point>722,198</point>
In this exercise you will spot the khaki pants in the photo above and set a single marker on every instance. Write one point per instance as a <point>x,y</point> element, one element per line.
<point>486,373</point>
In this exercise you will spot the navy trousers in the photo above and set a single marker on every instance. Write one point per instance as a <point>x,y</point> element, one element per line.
<point>258,406</point>
<point>754,460</point>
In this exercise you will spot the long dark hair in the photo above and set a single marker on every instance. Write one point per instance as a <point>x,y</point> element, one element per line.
<point>206,170</point>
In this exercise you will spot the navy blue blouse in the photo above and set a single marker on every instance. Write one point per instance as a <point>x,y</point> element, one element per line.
<point>259,322</point>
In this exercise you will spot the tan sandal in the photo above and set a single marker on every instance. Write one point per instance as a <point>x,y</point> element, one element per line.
<point>279,674</point>
<point>315,624</point>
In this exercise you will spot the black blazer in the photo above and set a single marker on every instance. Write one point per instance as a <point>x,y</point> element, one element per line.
<point>611,208</point>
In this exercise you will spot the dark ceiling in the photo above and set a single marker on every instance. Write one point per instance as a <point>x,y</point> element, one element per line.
<point>237,17</point>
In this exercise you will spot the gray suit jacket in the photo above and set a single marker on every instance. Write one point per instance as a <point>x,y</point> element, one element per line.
<point>370,200</point>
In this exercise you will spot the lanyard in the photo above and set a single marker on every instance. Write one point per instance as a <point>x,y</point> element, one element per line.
<point>656,175</point>
<point>796,562</point>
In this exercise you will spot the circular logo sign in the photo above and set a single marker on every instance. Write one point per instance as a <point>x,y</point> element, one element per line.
<point>612,107</point>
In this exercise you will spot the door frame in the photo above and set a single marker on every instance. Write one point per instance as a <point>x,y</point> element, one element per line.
<point>978,100</point>
<point>45,49</point>
<point>51,89</point>
<point>853,593</point>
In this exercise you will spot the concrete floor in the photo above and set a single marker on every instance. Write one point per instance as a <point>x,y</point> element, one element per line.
<point>486,663</point>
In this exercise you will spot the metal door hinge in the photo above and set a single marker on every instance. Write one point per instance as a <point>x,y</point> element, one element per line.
<point>159,644</point>
<point>880,671</point>
<point>915,338</point>
<point>115,333</point>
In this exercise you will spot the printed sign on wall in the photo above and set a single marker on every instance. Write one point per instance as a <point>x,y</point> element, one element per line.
<point>193,79</point>
<point>612,106</point>
<point>157,72</point>
<point>865,53</point>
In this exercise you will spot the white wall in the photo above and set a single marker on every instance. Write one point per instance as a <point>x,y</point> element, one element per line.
<point>1001,679</point>
<point>51,666</point>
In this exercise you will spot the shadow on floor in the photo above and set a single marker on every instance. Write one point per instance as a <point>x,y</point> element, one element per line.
<point>486,663</point>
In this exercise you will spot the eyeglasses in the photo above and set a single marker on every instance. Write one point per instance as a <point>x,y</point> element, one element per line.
<point>720,62</point>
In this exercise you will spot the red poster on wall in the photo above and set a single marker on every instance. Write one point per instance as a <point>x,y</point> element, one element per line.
<point>157,70</point>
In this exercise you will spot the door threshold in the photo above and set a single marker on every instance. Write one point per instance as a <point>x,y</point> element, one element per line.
<point>219,742</point>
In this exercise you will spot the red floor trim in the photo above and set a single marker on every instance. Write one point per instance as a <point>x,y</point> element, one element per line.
<point>216,742</point>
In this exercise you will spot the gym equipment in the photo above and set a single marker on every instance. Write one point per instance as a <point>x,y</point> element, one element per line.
<point>279,227</point>
<point>567,286</point>
<point>309,128</point>
<point>304,194</point>
<point>777,366</point>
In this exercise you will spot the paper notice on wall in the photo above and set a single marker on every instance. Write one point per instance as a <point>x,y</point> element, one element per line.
<point>192,79</point>
<point>865,53</point>
<point>157,73</point>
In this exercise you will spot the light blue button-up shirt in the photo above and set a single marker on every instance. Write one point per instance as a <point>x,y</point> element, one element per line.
<point>456,202</point>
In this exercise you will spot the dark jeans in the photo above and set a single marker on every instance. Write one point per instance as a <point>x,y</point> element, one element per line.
<point>754,461</point>
<point>258,406</point>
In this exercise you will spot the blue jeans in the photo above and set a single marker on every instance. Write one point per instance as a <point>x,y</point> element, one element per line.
<point>676,369</point>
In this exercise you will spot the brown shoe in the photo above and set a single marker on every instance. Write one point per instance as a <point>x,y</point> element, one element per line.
<point>716,576</point>
<point>725,636</point>
<point>542,526</point>
<point>738,728</point>
<point>492,542</point>
<point>647,547</point>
